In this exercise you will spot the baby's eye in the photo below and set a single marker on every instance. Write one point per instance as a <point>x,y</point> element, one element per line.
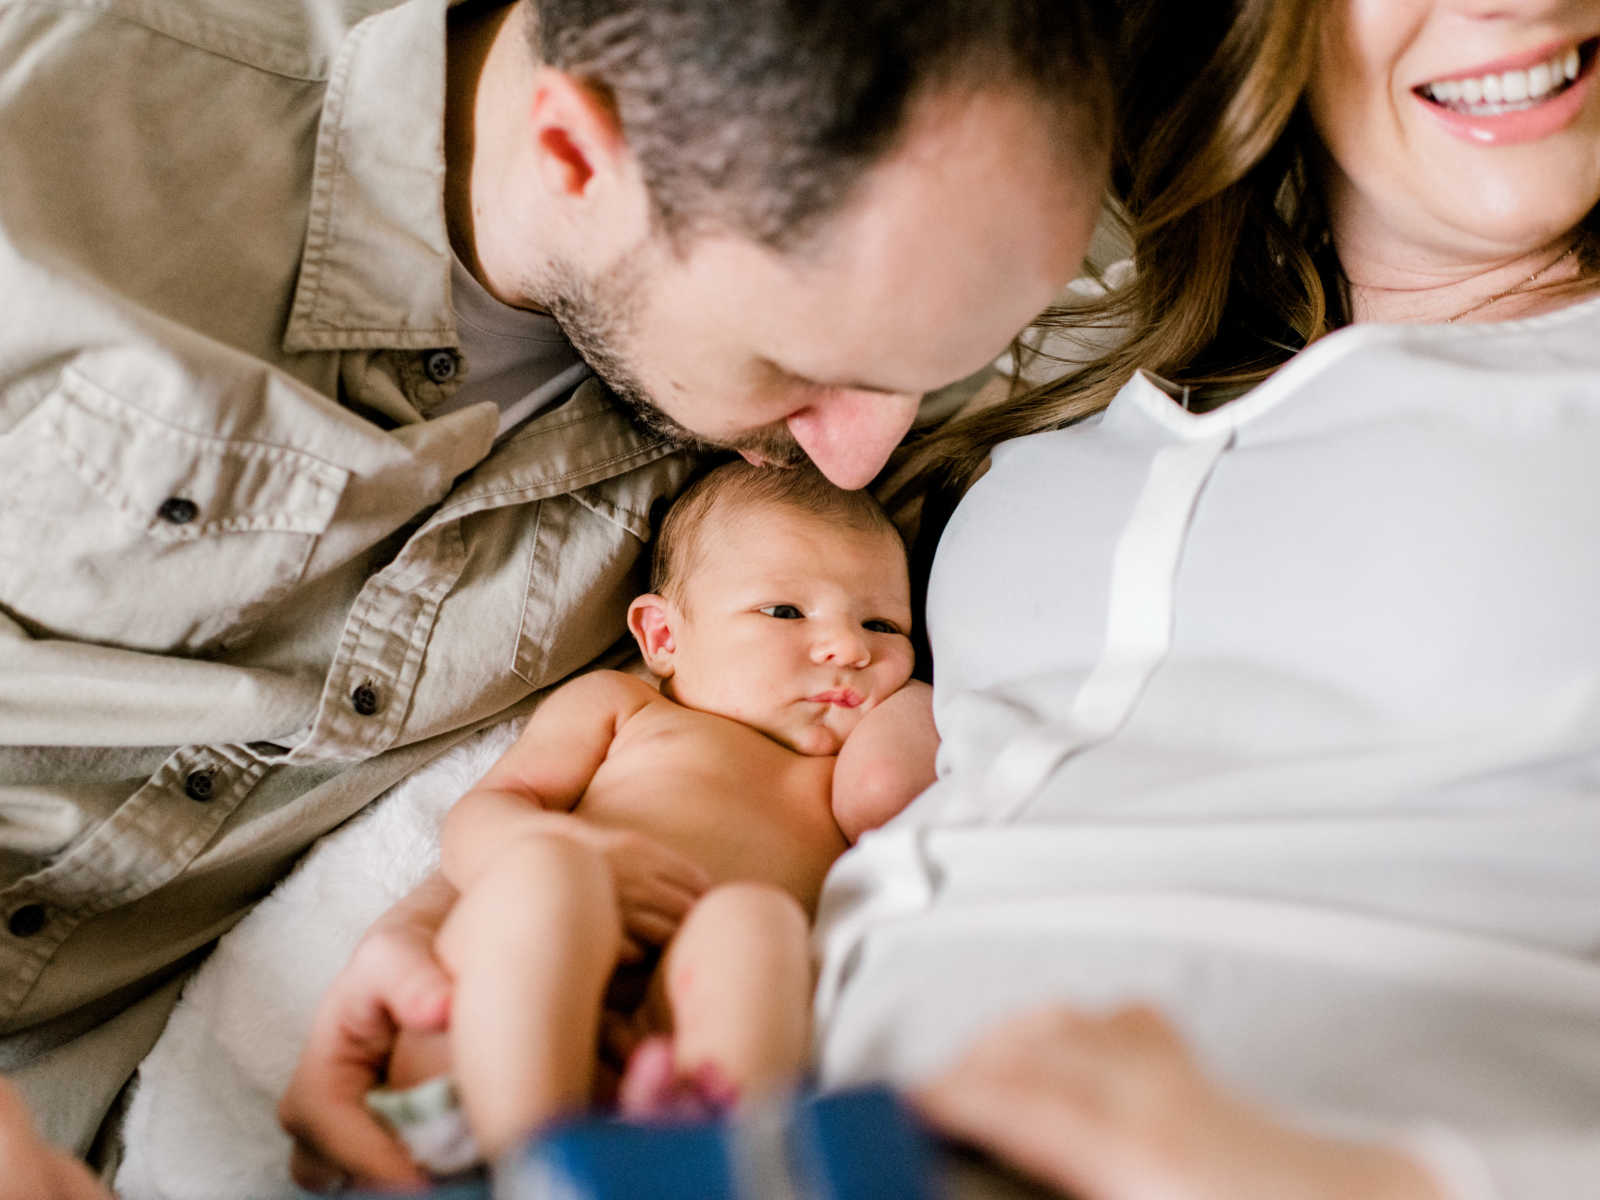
<point>783,612</point>
<point>877,626</point>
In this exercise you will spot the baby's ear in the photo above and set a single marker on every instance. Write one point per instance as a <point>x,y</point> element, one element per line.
<point>650,620</point>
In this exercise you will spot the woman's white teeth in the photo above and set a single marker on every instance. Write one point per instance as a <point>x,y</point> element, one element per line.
<point>1509,87</point>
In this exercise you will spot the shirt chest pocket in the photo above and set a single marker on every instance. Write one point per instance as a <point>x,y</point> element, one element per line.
<point>119,527</point>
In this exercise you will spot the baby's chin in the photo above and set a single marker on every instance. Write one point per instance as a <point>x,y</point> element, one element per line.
<point>812,740</point>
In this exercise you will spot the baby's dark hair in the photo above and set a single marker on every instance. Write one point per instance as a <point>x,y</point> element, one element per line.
<point>802,488</point>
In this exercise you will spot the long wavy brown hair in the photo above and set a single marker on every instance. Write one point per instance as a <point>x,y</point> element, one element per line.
<point>1208,185</point>
<point>1214,185</point>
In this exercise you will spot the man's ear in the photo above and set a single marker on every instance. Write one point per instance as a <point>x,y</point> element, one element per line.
<point>578,143</point>
<point>651,619</point>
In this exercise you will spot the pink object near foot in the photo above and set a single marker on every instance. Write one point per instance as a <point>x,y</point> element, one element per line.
<point>653,1090</point>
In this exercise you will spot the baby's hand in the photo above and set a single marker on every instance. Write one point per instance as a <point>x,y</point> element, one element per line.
<point>656,886</point>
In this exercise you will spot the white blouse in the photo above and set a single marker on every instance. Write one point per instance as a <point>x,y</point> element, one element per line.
<point>1284,718</point>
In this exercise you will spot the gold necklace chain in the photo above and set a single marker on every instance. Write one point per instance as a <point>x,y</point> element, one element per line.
<point>1514,288</point>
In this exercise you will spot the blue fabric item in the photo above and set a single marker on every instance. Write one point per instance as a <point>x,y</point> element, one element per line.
<point>857,1144</point>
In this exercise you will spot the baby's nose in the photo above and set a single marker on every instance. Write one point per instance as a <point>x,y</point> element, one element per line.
<point>843,644</point>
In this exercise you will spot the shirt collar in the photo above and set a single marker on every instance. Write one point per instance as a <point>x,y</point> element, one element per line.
<point>375,270</point>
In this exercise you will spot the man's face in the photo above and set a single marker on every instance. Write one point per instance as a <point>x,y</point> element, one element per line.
<point>947,247</point>
<point>794,624</point>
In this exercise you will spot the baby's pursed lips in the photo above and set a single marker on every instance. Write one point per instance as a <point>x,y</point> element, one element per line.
<point>843,697</point>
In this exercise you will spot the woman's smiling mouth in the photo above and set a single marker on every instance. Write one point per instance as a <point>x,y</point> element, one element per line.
<point>1517,99</point>
<point>1493,92</point>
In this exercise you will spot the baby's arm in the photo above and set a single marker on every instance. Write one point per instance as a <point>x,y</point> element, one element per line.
<point>488,830</point>
<point>546,771</point>
<point>533,788</point>
<point>547,903</point>
<point>886,761</point>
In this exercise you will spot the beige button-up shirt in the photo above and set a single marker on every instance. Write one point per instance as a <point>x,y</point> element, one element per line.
<point>245,581</point>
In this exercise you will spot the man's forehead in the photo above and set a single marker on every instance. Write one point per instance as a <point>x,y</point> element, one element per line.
<point>935,262</point>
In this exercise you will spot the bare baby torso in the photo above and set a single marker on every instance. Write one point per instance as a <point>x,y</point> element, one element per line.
<point>732,799</point>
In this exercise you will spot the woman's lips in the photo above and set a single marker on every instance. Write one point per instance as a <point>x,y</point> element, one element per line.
<point>1509,82</point>
<point>1553,53</point>
<point>1512,104</point>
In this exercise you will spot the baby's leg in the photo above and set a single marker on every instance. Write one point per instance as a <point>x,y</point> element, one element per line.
<point>530,945</point>
<point>737,979</point>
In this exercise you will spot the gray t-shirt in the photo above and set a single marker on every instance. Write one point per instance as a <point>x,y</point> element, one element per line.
<point>518,360</point>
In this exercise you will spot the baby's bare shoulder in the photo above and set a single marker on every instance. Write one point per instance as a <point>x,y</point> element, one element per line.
<point>606,688</point>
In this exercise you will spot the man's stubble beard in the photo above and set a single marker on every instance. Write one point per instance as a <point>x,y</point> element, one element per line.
<point>598,315</point>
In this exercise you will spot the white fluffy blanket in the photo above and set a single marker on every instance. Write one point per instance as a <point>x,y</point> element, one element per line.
<point>201,1123</point>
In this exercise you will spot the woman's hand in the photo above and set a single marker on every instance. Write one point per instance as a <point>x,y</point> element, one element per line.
<point>392,981</point>
<point>31,1168</point>
<point>1115,1108</point>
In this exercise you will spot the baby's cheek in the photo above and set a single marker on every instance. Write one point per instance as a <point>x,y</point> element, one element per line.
<point>896,674</point>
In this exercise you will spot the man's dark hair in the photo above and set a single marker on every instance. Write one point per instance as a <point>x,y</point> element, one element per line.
<point>758,116</point>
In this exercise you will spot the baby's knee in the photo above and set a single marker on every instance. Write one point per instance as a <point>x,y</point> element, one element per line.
<point>759,908</point>
<point>742,928</point>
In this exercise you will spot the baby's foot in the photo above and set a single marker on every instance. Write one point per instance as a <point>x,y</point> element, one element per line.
<point>652,1088</point>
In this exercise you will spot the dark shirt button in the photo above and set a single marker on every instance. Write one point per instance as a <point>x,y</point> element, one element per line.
<point>26,921</point>
<point>365,699</point>
<point>440,365</point>
<point>198,785</point>
<point>175,510</point>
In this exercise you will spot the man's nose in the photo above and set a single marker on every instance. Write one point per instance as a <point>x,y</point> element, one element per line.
<point>842,643</point>
<point>849,434</point>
